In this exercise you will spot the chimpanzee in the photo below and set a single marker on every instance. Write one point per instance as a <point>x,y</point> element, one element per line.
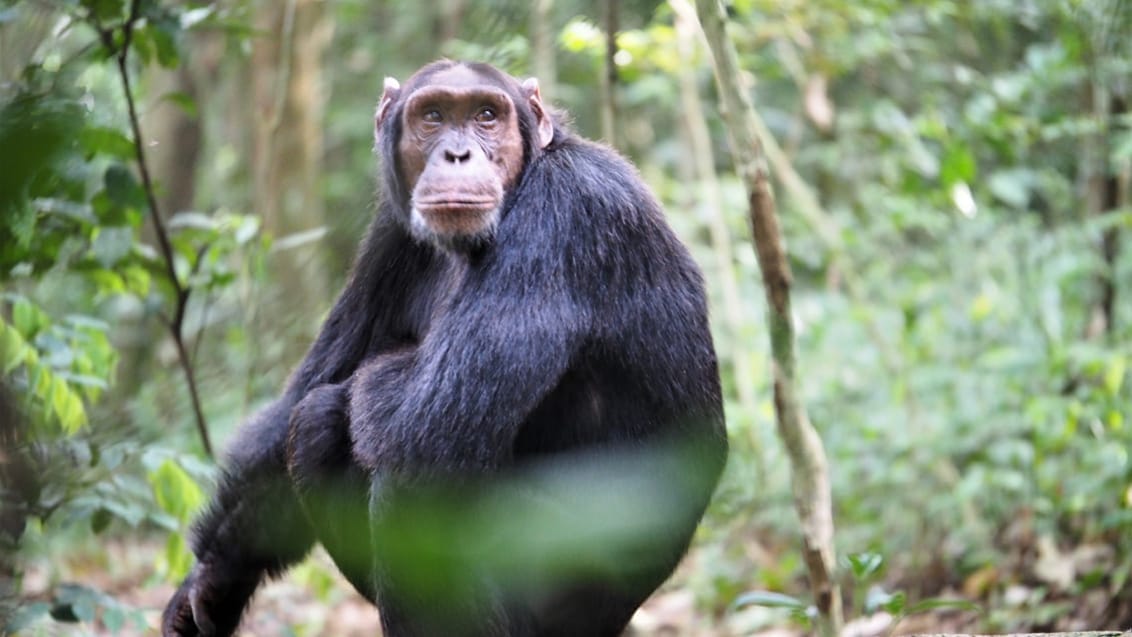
<point>519,303</point>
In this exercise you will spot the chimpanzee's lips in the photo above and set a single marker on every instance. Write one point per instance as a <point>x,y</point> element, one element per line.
<point>477,204</point>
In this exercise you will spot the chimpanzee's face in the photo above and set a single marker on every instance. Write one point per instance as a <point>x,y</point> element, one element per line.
<point>460,152</point>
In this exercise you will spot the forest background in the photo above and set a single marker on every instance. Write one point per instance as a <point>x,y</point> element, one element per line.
<point>953,182</point>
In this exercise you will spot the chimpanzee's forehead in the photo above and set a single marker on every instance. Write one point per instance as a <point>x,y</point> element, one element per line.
<point>456,75</point>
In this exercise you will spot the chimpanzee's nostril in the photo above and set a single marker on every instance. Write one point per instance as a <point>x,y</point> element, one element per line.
<point>458,157</point>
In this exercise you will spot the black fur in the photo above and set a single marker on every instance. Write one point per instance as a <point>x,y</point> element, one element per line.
<point>580,328</point>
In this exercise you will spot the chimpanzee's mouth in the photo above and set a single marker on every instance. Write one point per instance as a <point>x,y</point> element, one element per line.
<point>456,205</point>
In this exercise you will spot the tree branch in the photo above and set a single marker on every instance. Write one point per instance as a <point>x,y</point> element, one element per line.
<point>180,290</point>
<point>812,493</point>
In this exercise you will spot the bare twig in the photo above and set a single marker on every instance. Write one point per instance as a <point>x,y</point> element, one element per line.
<point>181,290</point>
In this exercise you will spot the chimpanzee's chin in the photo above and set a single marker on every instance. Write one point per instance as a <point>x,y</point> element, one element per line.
<point>461,233</point>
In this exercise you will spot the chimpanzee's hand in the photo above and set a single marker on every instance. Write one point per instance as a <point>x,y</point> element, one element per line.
<point>375,394</point>
<point>209,602</point>
<point>180,618</point>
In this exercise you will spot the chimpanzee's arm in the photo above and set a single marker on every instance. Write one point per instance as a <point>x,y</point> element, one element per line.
<point>458,403</point>
<point>521,313</point>
<point>254,526</point>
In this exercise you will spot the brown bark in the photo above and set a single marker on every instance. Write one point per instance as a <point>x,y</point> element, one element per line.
<point>699,139</point>
<point>542,47</point>
<point>289,99</point>
<point>1114,195</point>
<point>812,496</point>
<point>19,493</point>
<point>288,96</point>
<point>1105,192</point>
<point>176,138</point>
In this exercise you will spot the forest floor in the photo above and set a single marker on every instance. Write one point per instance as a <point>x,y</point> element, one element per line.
<point>314,600</point>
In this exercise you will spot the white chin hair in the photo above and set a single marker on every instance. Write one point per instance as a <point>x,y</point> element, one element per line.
<point>421,231</point>
<point>418,225</point>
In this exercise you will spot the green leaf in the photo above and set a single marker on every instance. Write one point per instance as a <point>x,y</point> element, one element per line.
<point>28,318</point>
<point>108,282</point>
<point>137,280</point>
<point>132,514</point>
<point>165,43</point>
<point>87,323</point>
<point>13,348</point>
<point>1011,187</point>
<point>192,221</point>
<point>107,211</point>
<point>36,133</point>
<point>192,17</point>
<point>40,381</point>
<point>111,245</point>
<point>879,599</point>
<point>75,602</point>
<point>26,615</point>
<point>100,520</point>
<point>99,140</point>
<point>958,166</point>
<point>114,619</point>
<point>184,101</point>
<point>936,603</point>
<point>247,228</point>
<point>865,565</point>
<point>177,557</point>
<point>1114,375</point>
<point>175,491</point>
<point>68,406</point>
<point>80,212</point>
<point>65,614</point>
<point>105,10</point>
<point>768,599</point>
<point>122,188</point>
<point>581,35</point>
<point>143,47</point>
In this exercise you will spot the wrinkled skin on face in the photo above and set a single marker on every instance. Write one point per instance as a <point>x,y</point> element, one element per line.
<point>460,152</point>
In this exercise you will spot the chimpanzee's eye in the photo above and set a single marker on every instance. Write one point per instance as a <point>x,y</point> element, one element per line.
<point>432,116</point>
<point>486,115</point>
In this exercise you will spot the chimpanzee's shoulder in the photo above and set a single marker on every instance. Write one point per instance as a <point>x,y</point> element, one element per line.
<point>581,159</point>
<point>593,175</point>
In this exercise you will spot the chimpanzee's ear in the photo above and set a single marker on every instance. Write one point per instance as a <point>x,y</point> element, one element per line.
<point>545,130</point>
<point>388,96</point>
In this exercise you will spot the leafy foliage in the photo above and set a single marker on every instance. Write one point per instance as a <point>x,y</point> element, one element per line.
<point>949,294</point>
<point>74,214</point>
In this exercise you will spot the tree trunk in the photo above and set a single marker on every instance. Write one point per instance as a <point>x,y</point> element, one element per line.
<point>700,141</point>
<point>287,145</point>
<point>811,487</point>
<point>175,139</point>
<point>1106,193</point>
<point>19,494</point>
<point>542,45</point>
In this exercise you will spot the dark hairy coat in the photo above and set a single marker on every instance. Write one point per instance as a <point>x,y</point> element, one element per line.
<point>580,327</point>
